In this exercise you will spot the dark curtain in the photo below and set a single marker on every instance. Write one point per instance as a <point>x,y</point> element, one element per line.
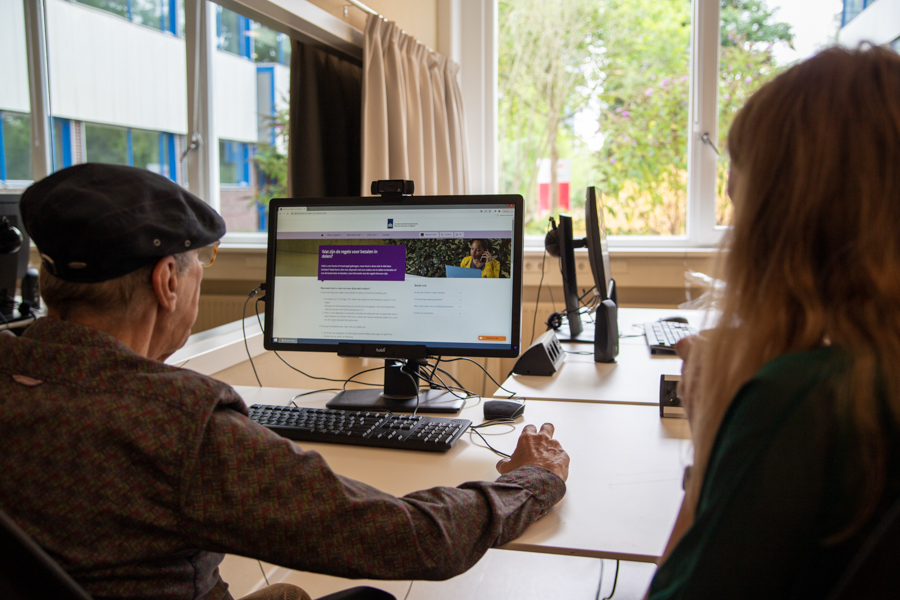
<point>325,122</point>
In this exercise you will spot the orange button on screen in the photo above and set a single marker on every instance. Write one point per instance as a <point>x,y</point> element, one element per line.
<point>492,338</point>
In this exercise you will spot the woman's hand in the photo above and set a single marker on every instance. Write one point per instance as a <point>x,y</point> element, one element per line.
<point>486,257</point>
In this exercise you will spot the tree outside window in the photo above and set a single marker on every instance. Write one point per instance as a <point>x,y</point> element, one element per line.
<point>606,84</point>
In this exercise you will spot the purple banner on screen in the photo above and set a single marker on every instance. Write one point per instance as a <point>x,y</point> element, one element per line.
<point>362,263</point>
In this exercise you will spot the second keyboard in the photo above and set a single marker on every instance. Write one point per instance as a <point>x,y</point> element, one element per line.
<point>360,428</point>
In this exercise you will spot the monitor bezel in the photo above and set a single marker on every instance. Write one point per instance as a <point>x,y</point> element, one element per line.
<point>388,349</point>
<point>597,245</point>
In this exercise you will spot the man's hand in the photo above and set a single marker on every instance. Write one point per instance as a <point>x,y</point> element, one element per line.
<point>539,449</point>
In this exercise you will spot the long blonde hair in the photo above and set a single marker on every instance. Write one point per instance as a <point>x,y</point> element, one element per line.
<point>814,254</point>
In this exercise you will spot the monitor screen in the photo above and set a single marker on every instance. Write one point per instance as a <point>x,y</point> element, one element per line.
<point>401,277</point>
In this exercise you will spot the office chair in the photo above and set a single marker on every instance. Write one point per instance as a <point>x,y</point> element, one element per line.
<point>27,572</point>
<point>871,574</point>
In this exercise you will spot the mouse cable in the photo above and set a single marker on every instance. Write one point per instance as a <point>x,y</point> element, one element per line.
<point>408,590</point>
<point>615,580</point>
<point>252,293</point>
<point>512,394</point>
<point>474,429</point>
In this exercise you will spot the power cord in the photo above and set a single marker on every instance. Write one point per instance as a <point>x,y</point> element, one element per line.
<point>538,300</point>
<point>615,581</point>
<point>252,294</point>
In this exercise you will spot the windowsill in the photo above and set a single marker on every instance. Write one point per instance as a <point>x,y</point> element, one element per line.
<point>257,242</point>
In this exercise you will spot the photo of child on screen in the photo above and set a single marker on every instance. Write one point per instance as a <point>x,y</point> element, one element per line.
<point>480,257</point>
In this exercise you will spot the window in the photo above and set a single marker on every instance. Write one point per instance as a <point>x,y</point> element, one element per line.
<point>232,30</point>
<point>15,141</point>
<point>15,111</point>
<point>624,95</point>
<point>165,15</point>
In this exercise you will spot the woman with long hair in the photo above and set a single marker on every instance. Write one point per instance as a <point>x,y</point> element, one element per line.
<point>794,395</point>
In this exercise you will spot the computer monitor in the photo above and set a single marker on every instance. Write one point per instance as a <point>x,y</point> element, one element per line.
<point>13,267</point>
<point>368,277</point>
<point>598,247</point>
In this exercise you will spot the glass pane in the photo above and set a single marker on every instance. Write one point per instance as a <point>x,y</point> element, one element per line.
<point>17,145</point>
<point>106,144</point>
<point>230,163</point>
<point>229,31</point>
<point>145,150</point>
<point>595,93</point>
<point>15,107</point>
<point>148,12</point>
<point>252,143</point>
<point>756,45</point>
<point>118,7</point>
<point>265,43</point>
<point>285,41</point>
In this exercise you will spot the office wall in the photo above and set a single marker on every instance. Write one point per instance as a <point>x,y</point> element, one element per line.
<point>105,70</point>
<point>234,80</point>
<point>879,23</point>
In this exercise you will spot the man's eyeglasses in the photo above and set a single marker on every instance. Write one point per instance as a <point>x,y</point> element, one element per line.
<point>207,254</point>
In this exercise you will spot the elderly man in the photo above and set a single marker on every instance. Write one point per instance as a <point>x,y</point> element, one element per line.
<point>136,476</point>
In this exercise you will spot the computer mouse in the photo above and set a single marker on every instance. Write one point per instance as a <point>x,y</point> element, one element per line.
<point>503,409</point>
<point>675,319</point>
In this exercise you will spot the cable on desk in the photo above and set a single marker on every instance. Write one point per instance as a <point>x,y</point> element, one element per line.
<point>295,396</point>
<point>408,590</point>
<point>537,301</point>
<point>474,429</point>
<point>511,393</point>
<point>252,294</point>
<point>615,580</point>
<point>263,571</point>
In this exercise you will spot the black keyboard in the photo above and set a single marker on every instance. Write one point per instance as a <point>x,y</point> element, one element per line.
<point>663,335</point>
<point>360,428</point>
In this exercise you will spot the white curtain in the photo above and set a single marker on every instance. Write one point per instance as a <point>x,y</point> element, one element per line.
<point>413,122</point>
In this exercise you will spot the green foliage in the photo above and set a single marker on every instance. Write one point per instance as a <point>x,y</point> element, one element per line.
<point>632,61</point>
<point>429,257</point>
<point>546,75</point>
<point>272,160</point>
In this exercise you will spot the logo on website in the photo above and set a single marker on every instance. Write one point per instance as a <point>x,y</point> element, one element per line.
<point>390,223</point>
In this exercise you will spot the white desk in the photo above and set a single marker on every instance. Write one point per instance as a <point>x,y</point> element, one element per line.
<point>624,486</point>
<point>632,379</point>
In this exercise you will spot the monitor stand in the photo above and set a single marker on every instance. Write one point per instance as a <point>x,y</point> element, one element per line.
<point>586,336</point>
<point>399,393</point>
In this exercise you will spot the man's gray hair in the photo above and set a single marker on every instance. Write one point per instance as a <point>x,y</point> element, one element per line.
<point>113,297</point>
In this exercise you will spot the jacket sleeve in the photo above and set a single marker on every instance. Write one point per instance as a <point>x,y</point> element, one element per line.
<point>254,493</point>
<point>492,269</point>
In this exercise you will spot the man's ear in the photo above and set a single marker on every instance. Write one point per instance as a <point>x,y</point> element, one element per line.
<point>165,283</point>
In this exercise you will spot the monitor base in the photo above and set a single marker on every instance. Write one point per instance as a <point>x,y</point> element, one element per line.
<point>563,334</point>
<point>433,401</point>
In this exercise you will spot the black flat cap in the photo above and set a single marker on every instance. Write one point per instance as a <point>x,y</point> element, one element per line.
<point>95,222</point>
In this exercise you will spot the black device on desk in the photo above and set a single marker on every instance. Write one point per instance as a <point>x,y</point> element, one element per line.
<point>14,264</point>
<point>367,277</point>
<point>361,428</point>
